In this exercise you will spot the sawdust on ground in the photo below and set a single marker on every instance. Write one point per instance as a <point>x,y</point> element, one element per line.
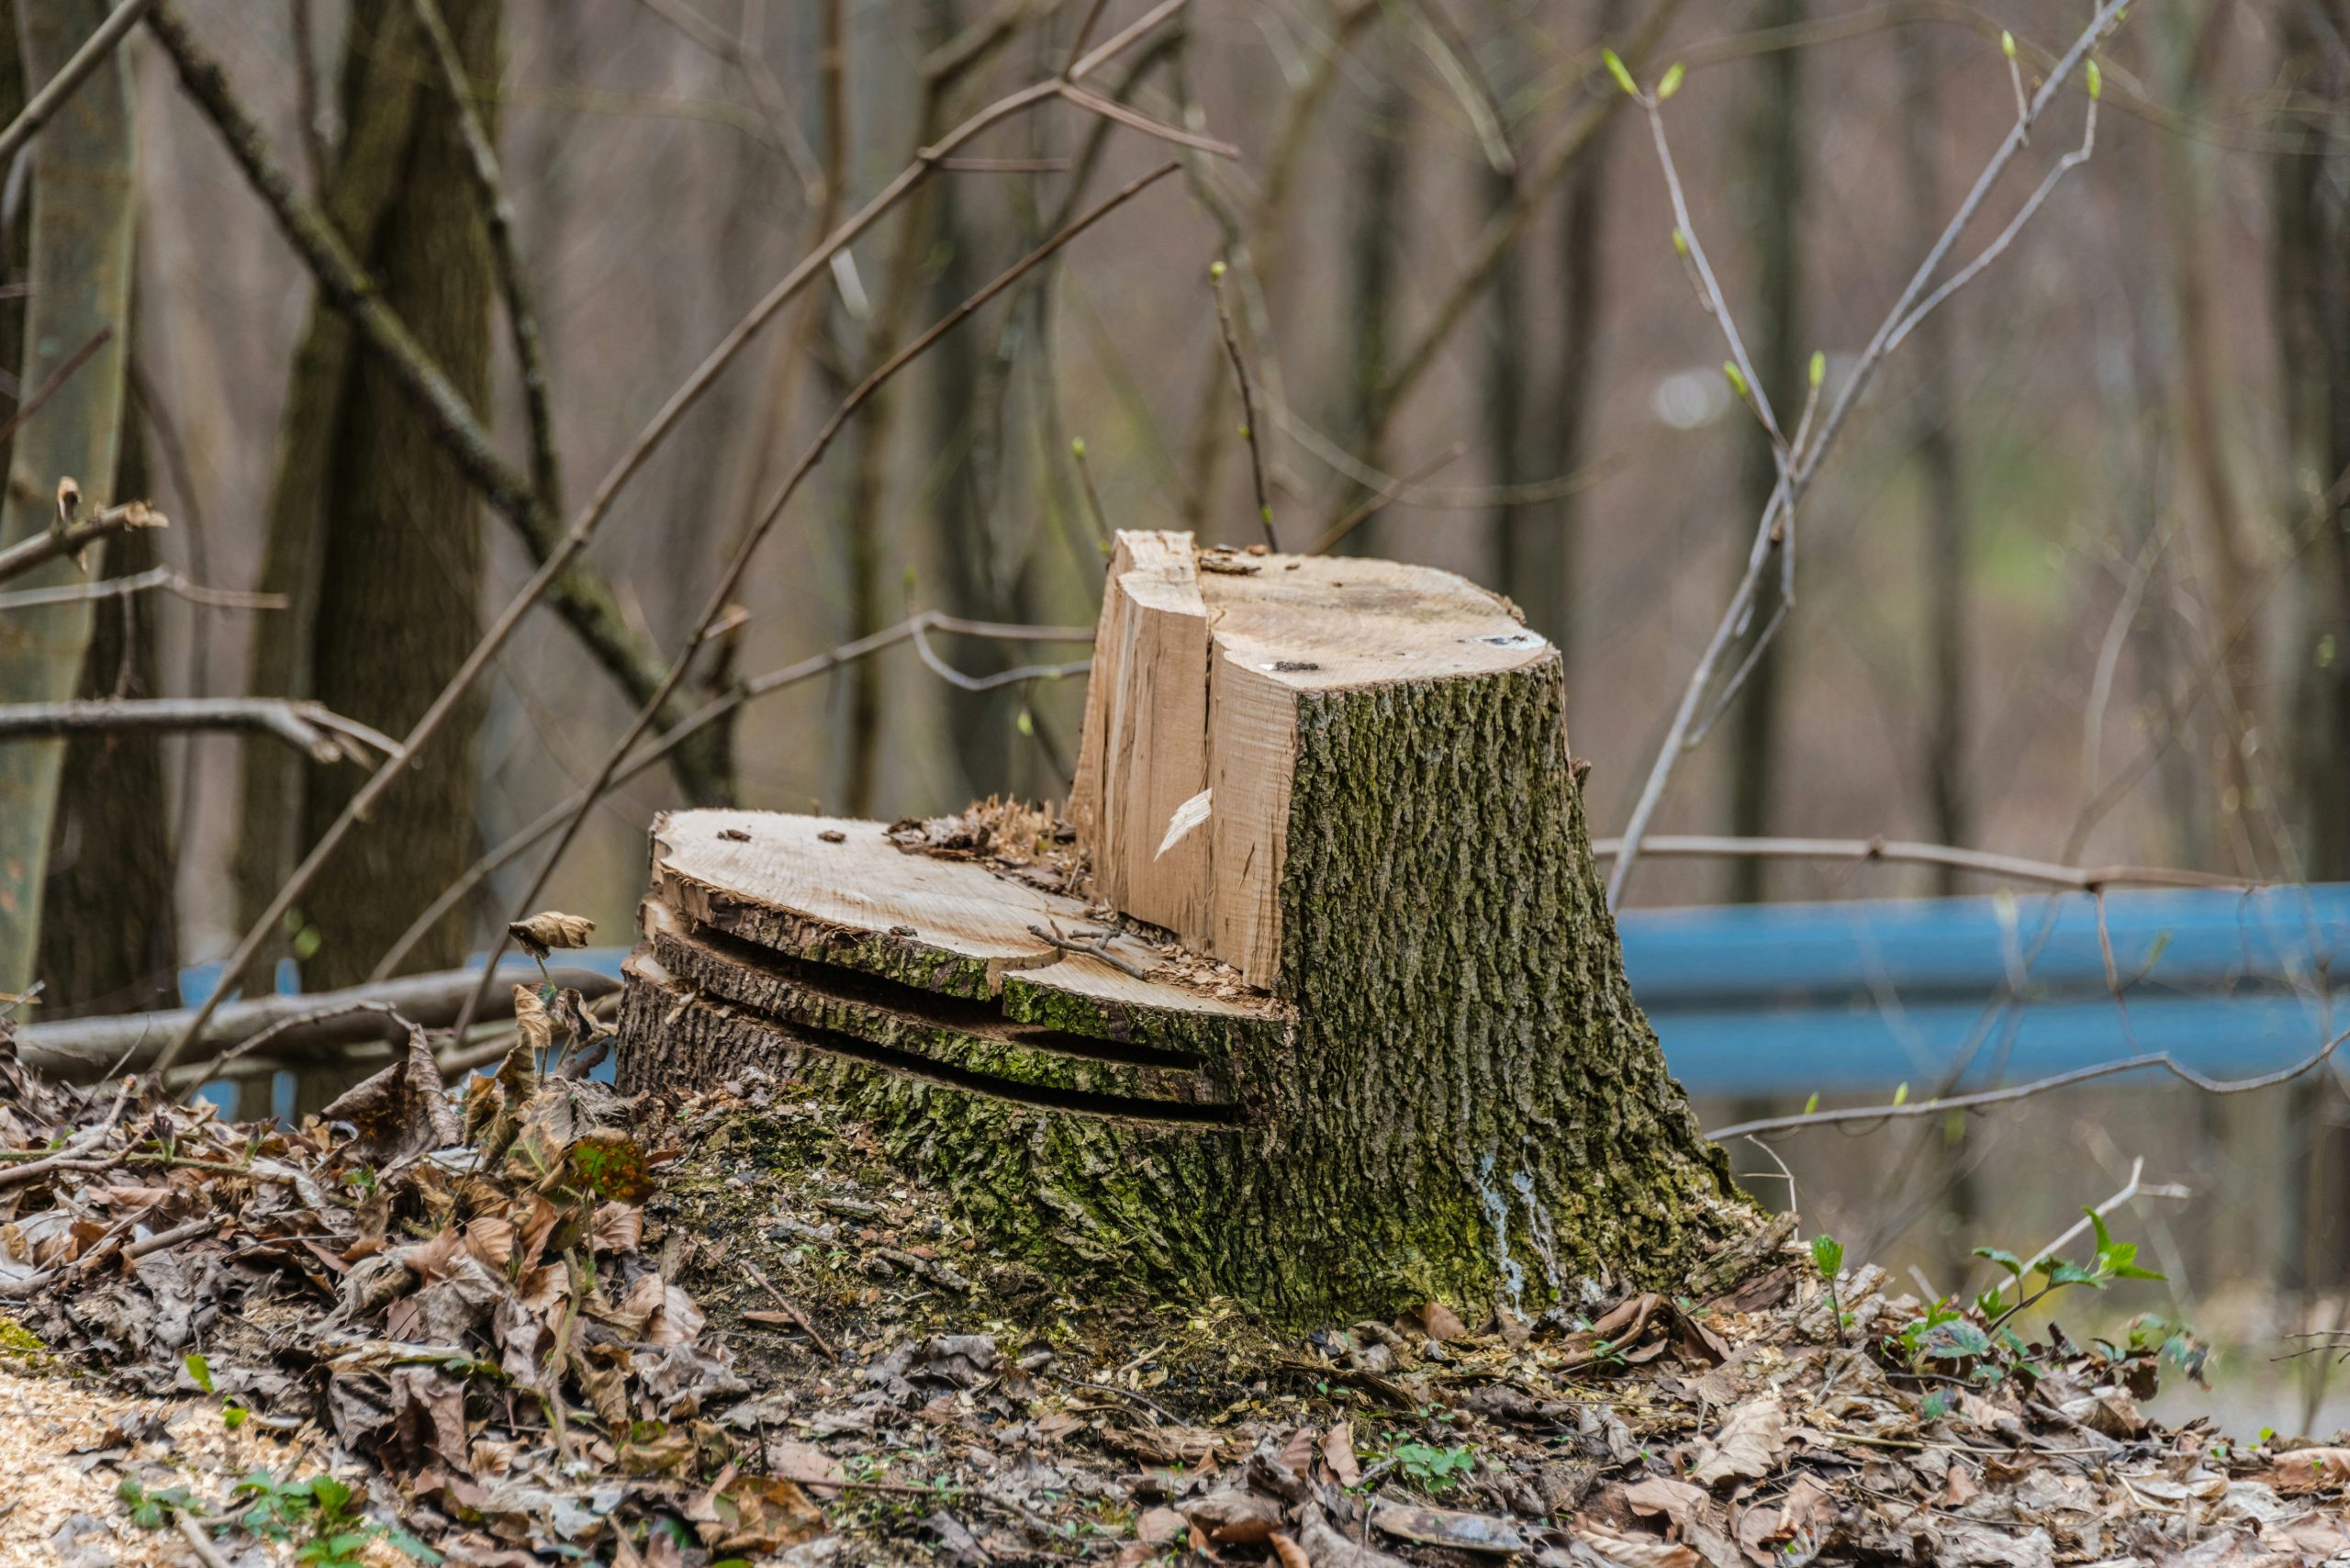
<point>66,1447</point>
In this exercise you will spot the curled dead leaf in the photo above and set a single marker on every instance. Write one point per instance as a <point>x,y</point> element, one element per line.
<point>532,1021</point>
<point>545,932</point>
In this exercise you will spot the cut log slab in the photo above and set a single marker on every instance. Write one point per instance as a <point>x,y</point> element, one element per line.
<point>1348,780</point>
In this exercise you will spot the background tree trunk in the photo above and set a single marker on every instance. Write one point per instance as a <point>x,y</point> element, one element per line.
<point>1949,811</point>
<point>1773,329</point>
<point>82,209</point>
<point>110,933</point>
<point>1378,199</point>
<point>372,523</point>
<point>2311,208</point>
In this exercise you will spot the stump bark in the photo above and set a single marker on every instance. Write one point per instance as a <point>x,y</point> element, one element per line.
<point>1363,1037</point>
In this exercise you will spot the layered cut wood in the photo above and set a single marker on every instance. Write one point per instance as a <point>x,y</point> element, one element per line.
<point>1309,996</point>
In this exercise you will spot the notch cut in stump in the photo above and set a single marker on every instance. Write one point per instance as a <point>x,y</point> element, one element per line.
<point>1414,1069</point>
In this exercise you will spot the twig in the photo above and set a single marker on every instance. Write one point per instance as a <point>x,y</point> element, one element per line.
<point>321,1021</point>
<point>71,538</point>
<point>73,1147</point>
<point>305,725</point>
<point>2086,879</point>
<point>631,461</point>
<point>57,379</point>
<point>1097,948</point>
<point>1943,1105</point>
<point>723,593</point>
<point>1248,430</point>
<point>195,1073</point>
<point>1102,532</point>
<point>43,104</point>
<point>1011,677</point>
<point>162,577</point>
<point>790,1306</point>
<point>1796,478</point>
<point>1383,496</point>
<point>522,319</point>
<point>1084,31</point>
<point>198,1541</point>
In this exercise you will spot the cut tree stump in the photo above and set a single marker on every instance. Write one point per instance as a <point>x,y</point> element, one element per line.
<point>1361,1038</point>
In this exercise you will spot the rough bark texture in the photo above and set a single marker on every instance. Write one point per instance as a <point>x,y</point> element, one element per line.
<point>373,529</point>
<point>109,931</point>
<point>1449,1093</point>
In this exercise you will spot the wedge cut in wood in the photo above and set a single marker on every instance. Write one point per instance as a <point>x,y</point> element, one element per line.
<point>1343,1028</point>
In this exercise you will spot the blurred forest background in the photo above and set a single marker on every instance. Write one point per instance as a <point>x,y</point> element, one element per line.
<point>2076,586</point>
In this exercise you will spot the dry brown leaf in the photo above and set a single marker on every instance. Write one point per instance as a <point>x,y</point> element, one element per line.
<point>2310,1470</point>
<point>806,1463</point>
<point>1161,1526</point>
<point>1339,1453</point>
<point>491,1239</point>
<point>1804,1516</point>
<point>401,1112</point>
<point>532,1021</point>
<point>619,1227</point>
<point>549,929</point>
<point>1753,1442</point>
<point>1634,1550</point>
<point>1290,1554</point>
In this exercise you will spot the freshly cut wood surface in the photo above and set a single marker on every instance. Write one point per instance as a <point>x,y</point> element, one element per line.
<point>838,890</point>
<point>1202,659</point>
<point>1151,681</point>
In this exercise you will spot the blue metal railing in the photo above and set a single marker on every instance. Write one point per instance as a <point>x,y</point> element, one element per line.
<point>1861,996</point>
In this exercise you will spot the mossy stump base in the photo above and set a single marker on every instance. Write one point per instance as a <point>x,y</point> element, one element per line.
<point>1346,780</point>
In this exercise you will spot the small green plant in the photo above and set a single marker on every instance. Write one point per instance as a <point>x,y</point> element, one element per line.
<point>322,1514</point>
<point>2113,1261</point>
<point>153,1510</point>
<point>1827,1258</point>
<point>1433,1469</point>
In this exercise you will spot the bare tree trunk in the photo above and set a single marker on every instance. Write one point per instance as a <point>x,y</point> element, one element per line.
<point>1773,330</point>
<point>1546,548</point>
<point>109,933</point>
<point>1377,196</point>
<point>393,586</point>
<point>79,277</point>
<point>2310,204</point>
<point>2188,212</point>
<point>1934,445</point>
<point>1521,564</point>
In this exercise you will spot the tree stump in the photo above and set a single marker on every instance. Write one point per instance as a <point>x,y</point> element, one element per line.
<point>1363,1038</point>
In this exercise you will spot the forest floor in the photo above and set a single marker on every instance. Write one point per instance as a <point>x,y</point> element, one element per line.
<point>534,1322</point>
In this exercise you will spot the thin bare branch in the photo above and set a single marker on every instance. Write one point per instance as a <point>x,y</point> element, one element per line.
<point>305,725</point>
<point>1903,852</point>
<point>80,1050</point>
<point>1012,676</point>
<point>43,106</point>
<point>522,318</point>
<point>1910,1110</point>
<point>1248,427</point>
<point>1797,476</point>
<point>161,577</point>
<point>71,538</point>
